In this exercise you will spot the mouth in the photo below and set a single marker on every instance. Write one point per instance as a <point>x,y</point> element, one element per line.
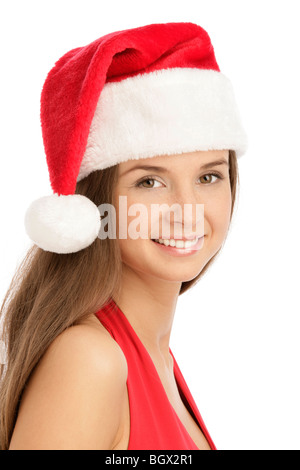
<point>179,247</point>
<point>176,243</point>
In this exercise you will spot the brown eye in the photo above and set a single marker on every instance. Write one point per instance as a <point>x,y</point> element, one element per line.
<point>147,182</point>
<point>207,178</point>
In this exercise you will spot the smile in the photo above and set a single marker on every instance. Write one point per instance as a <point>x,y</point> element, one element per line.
<point>179,247</point>
<point>177,243</point>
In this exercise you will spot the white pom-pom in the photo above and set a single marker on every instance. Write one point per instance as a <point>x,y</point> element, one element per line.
<point>63,224</point>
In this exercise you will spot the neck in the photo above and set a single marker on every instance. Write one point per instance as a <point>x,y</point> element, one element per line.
<point>149,305</point>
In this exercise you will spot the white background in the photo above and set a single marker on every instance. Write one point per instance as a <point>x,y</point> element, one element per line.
<point>236,334</point>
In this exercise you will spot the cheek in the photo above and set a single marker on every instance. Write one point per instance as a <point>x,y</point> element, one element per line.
<point>136,254</point>
<point>217,214</point>
<point>133,219</point>
<point>136,224</point>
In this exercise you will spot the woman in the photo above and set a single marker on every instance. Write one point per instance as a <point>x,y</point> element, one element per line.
<point>89,314</point>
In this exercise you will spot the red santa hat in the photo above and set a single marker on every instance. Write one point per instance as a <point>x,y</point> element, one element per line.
<point>132,94</point>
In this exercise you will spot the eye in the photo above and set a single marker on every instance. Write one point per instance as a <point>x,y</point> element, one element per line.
<point>146,180</point>
<point>216,175</point>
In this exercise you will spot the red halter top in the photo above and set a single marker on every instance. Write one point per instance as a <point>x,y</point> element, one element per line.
<point>154,424</point>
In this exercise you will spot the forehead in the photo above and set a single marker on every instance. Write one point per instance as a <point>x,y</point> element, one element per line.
<point>169,162</point>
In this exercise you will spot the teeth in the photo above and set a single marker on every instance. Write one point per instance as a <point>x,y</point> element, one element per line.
<point>178,243</point>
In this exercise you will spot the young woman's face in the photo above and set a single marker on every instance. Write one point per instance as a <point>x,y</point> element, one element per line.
<point>182,179</point>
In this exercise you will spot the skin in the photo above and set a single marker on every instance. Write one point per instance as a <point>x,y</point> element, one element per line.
<point>77,396</point>
<point>152,278</point>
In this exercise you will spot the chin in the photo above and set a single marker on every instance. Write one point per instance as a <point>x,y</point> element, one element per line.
<point>180,275</point>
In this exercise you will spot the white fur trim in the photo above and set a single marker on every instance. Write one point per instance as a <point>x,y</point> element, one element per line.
<point>63,224</point>
<point>165,112</point>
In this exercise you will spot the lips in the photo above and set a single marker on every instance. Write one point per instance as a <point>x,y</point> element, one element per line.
<point>186,238</point>
<point>179,243</point>
<point>170,249</point>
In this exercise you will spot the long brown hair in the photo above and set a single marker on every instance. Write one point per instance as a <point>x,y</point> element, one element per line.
<point>50,292</point>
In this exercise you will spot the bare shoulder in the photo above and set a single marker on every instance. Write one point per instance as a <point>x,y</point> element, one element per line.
<point>74,397</point>
<point>90,345</point>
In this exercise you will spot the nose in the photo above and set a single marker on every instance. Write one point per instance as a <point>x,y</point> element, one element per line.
<point>184,192</point>
<point>186,212</point>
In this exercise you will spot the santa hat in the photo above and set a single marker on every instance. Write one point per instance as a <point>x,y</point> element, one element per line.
<point>132,94</point>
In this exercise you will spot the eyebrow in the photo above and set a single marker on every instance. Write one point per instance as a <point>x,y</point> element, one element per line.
<point>166,170</point>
